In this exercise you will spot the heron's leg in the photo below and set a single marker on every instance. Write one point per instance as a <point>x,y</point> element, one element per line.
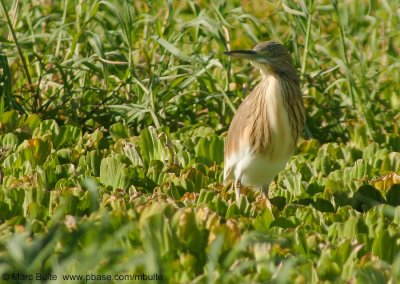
<point>238,185</point>
<point>265,189</point>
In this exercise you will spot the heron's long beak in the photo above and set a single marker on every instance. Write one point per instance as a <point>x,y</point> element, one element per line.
<point>244,54</point>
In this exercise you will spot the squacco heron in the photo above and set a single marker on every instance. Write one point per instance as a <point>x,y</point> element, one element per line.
<point>264,131</point>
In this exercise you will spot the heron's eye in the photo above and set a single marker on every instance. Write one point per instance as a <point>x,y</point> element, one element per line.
<point>268,53</point>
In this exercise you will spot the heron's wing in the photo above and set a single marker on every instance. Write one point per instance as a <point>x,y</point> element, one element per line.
<point>237,138</point>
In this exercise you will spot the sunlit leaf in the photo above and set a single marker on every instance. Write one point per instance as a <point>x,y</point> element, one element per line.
<point>68,136</point>
<point>113,172</point>
<point>35,151</point>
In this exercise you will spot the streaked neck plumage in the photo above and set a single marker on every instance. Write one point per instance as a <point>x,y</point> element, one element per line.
<point>288,83</point>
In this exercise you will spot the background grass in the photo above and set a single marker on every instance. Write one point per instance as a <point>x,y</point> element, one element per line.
<point>113,116</point>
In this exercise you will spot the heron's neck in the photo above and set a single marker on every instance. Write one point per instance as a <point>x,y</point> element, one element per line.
<point>281,89</point>
<point>284,72</point>
<point>270,89</point>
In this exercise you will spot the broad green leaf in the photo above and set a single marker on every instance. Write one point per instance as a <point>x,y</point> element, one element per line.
<point>393,195</point>
<point>292,182</point>
<point>13,161</point>
<point>370,274</point>
<point>47,128</point>
<point>95,140</point>
<point>9,121</point>
<point>210,150</point>
<point>309,146</point>
<point>68,135</point>
<point>219,205</point>
<point>93,161</point>
<point>263,221</point>
<point>156,230</point>
<point>35,151</point>
<point>360,136</point>
<point>130,150</point>
<point>185,226</point>
<point>385,246</point>
<point>113,172</point>
<point>31,122</point>
<point>394,141</point>
<point>65,155</point>
<point>324,165</point>
<point>155,147</point>
<point>205,196</point>
<point>327,268</point>
<point>9,140</point>
<point>193,180</point>
<point>118,131</point>
<point>323,205</point>
<point>394,162</point>
<point>279,202</point>
<point>68,203</point>
<point>35,211</point>
<point>366,197</point>
<point>282,222</point>
<point>156,171</point>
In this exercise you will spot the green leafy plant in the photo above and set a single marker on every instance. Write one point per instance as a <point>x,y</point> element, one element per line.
<point>112,124</point>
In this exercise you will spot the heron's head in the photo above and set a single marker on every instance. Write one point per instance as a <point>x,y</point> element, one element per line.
<point>270,57</point>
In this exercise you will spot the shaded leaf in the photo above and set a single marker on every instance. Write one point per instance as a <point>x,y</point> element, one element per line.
<point>366,197</point>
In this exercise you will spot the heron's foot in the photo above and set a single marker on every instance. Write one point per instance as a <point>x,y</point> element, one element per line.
<point>263,202</point>
<point>262,199</point>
